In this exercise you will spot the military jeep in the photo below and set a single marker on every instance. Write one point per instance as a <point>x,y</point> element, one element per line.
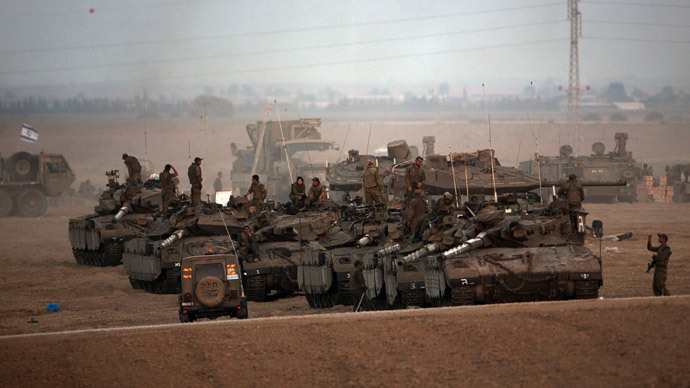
<point>211,287</point>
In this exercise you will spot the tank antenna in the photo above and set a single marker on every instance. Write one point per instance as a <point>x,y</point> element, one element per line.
<point>146,154</point>
<point>342,147</point>
<point>464,158</point>
<point>367,155</point>
<point>306,147</point>
<point>228,232</point>
<point>282,135</point>
<point>491,151</point>
<point>450,153</point>
<point>260,142</point>
<point>536,139</point>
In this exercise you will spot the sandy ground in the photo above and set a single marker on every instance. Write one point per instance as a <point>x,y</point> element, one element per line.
<point>556,344</point>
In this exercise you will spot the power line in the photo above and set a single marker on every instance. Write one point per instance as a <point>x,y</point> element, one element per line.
<point>100,10</point>
<point>638,23</point>
<point>284,31</point>
<point>309,65</point>
<point>275,51</point>
<point>662,5</point>
<point>638,40</point>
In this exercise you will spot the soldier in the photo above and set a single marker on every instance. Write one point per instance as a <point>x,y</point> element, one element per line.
<point>258,192</point>
<point>167,191</point>
<point>217,184</point>
<point>194,174</point>
<point>372,184</point>
<point>660,264</point>
<point>414,175</point>
<point>416,212</point>
<point>297,193</point>
<point>248,244</point>
<point>316,192</point>
<point>573,192</point>
<point>444,204</point>
<point>133,169</point>
<point>358,288</point>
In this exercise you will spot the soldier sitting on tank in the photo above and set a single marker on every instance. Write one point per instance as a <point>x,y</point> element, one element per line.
<point>258,191</point>
<point>445,204</point>
<point>358,288</point>
<point>416,213</point>
<point>573,192</point>
<point>317,191</point>
<point>249,248</point>
<point>297,193</point>
<point>133,169</point>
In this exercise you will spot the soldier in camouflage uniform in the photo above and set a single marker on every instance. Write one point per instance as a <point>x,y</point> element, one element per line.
<point>133,169</point>
<point>167,192</point>
<point>249,248</point>
<point>297,193</point>
<point>660,264</point>
<point>317,191</point>
<point>194,175</point>
<point>416,213</point>
<point>372,184</point>
<point>258,192</point>
<point>444,204</point>
<point>358,287</point>
<point>414,178</point>
<point>573,192</point>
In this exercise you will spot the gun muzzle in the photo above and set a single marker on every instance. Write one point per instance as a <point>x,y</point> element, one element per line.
<point>121,213</point>
<point>418,254</point>
<point>387,249</point>
<point>469,245</point>
<point>364,241</point>
<point>178,234</point>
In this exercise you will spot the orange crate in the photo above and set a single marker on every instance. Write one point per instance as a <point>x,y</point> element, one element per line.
<point>648,178</point>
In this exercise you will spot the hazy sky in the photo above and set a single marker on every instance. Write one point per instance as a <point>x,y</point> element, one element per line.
<point>151,44</point>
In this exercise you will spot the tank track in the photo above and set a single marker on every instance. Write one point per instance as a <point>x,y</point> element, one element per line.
<point>462,296</point>
<point>321,301</point>
<point>108,255</point>
<point>587,289</point>
<point>412,298</point>
<point>167,283</point>
<point>256,289</point>
<point>344,296</point>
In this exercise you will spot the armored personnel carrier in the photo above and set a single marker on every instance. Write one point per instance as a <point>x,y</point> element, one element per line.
<point>122,213</point>
<point>599,166</point>
<point>506,257</point>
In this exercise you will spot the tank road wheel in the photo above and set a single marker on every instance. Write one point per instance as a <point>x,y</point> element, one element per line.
<point>344,297</point>
<point>412,298</point>
<point>256,290</point>
<point>5,204</point>
<point>210,291</point>
<point>112,254</point>
<point>462,296</point>
<point>171,282</point>
<point>31,203</point>
<point>587,289</point>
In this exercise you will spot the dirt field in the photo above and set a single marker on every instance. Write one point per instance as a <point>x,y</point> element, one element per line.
<point>611,340</point>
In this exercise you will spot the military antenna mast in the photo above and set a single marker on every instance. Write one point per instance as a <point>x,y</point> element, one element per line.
<point>367,155</point>
<point>282,135</point>
<point>260,142</point>
<point>536,139</point>
<point>464,158</point>
<point>450,153</point>
<point>574,74</point>
<point>491,150</point>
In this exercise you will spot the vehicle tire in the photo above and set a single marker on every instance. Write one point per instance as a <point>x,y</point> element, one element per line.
<point>5,204</point>
<point>185,318</point>
<point>210,291</point>
<point>22,167</point>
<point>628,175</point>
<point>31,203</point>
<point>243,313</point>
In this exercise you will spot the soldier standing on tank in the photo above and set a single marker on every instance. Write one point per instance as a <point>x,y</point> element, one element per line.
<point>660,264</point>
<point>573,192</point>
<point>416,213</point>
<point>297,193</point>
<point>258,192</point>
<point>248,243</point>
<point>415,178</point>
<point>316,192</point>
<point>194,174</point>
<point>372,184</point>
<point>133,169</point>
<point>217,184</point>
<point>167,189</point>
<point>358,288</point>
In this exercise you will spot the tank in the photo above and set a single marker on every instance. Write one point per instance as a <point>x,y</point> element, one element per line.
<point>499,257</point>
<point>598,166</point>
<point>122,213</point>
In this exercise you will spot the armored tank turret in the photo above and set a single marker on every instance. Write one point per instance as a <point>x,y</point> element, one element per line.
<point>122,213</point>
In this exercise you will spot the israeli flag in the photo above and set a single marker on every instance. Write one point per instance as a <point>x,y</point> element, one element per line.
<point>29,134</point>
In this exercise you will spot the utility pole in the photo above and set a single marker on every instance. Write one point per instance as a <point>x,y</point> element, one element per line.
<point>574,75</point>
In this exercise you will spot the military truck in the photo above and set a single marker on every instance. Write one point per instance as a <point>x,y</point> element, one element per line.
<point>307,155</point>
<point>599,166</point>
<point>27,179</point>
<point>211,287</point>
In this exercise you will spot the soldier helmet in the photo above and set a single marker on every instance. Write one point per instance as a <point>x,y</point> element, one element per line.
<point>358,262</point>
<point>316,179</point>
<point>197,159</point>
<point>125,156</point>
<point>371,162</point>
<point>167,167</point>
<point>418,157</point>
<point>572,177</point>
<point>299,178</point>
<point>255,177</point>
<point>663,235</point>
<point>447,195</point>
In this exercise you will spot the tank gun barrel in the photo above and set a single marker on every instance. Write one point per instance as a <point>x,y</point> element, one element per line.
<point>586,183</point>
<point>178,234</point>
<point>419,253</point>
<point>121,213</point>
<point>469,245</point>
<point>387,249</point>
<point>364,241</point>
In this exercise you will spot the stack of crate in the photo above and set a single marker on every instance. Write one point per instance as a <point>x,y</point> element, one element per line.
<point>645,189</point>
<point>661,193</point>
